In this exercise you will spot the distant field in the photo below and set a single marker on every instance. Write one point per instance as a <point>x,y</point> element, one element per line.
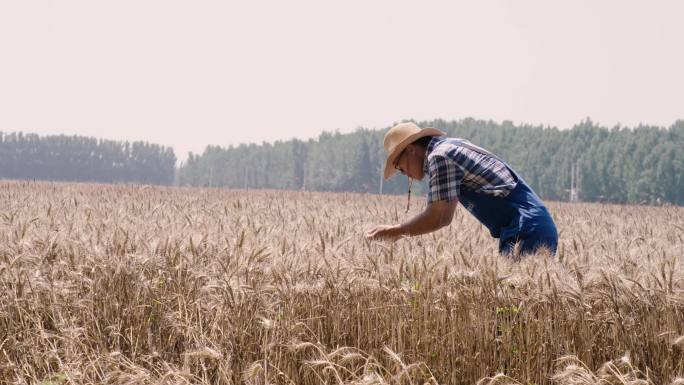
<point>141,285</point>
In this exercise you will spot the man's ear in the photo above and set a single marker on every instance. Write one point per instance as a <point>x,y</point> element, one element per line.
<point>411,148</point>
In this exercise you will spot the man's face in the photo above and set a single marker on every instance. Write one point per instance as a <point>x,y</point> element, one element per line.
<point>410,162</point>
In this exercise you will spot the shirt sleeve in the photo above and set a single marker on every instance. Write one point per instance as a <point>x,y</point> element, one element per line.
<point>445,179</point>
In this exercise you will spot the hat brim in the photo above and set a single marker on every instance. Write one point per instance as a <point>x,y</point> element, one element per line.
<point>392,157</point>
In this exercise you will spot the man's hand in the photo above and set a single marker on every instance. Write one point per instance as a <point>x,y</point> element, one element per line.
<point>384,232</point>
<point>435,216</point>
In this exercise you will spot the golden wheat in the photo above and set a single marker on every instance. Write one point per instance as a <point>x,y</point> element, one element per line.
<point>137,284</point>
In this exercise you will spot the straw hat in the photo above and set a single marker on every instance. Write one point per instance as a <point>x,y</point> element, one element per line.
<point>400,136</point>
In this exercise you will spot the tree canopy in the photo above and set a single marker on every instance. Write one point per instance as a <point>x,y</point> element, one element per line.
<point>644,164</point>
<point>78,158</point>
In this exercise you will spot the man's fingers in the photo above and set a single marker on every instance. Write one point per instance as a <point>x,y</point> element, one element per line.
<point>370,232</point>
<point>379,232</point>
<point>373,231</point>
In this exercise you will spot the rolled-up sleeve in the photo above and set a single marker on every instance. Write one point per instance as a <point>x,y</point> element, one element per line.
<point>445,178</point>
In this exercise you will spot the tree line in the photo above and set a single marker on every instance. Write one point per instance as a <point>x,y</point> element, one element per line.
<point>78,158</point>
<point>644,164</point>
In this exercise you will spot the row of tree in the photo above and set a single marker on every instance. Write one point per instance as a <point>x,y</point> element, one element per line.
<point>644,164</point>
<point>78,158</point>
<point>624,165</point>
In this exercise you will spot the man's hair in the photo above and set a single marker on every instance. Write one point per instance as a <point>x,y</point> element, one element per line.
<point>424,141</point>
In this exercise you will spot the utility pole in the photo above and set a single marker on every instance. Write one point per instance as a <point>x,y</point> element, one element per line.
<point>578,181</point>
<point>574,183</point>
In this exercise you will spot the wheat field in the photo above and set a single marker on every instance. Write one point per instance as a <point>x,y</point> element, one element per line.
<point>120,284</point>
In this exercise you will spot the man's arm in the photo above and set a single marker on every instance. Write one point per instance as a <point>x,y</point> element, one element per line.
<point>435,216</point>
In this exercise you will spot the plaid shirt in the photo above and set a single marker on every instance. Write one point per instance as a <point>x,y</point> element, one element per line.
<point>450,167</point>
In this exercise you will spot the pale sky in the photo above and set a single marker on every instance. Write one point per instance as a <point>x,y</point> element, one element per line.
<point>190,73</point>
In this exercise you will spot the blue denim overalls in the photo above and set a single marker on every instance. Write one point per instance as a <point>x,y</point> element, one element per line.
<point>520,217</point>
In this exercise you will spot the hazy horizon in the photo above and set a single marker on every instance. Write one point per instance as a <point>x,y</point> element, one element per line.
<point>187,75</point>
<point>183,157</point>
